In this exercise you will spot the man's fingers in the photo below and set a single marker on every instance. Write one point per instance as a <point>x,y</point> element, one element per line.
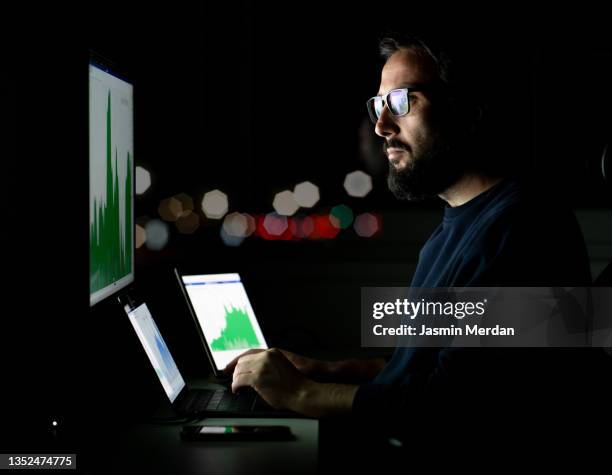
<point>232,364</point>
<point>247,364</point>
<point>242,380</point>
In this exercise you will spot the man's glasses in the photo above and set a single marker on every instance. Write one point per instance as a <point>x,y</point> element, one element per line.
<point>397,100</point>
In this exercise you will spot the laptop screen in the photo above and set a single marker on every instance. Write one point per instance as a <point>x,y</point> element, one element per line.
<point>156,350</point>
<point>225,315</point>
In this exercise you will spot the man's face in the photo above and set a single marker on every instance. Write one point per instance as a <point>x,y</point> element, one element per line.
<point>417,144</point>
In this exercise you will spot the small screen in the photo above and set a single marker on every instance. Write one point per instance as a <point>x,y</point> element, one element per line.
<point>217,430</point>
<point>156,350</point>
<point>225,315</point>
<point>238,429</point>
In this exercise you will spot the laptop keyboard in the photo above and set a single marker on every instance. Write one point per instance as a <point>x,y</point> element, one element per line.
<point>223,400</point>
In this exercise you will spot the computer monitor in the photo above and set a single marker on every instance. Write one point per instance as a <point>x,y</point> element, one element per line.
<point>111,180</point>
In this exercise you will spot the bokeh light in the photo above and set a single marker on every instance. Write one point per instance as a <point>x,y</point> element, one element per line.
<point>358,184</point>
<point>275,224</point>
<point>140,236</point>
<point>170,209</point>
<point>341,216</point>
<point>306,194</point>
<point>301,226</point>
<point>366,225</point>
<point>236,224</point>
<point>157,234</point>
<point>185,200</point>
<point>323,228</point>
<point>188,223</point>
<point>260,230</point>
<point>215,204</point>
<point>285,204</point>
<point>143,180</point>
<point>251,224</point>
<point>228,239</point>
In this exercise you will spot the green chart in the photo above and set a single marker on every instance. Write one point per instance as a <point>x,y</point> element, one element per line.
<point>238,332</point>
<point>110,234</point>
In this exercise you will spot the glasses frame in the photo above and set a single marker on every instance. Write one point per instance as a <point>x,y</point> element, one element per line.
<point>384,97</point>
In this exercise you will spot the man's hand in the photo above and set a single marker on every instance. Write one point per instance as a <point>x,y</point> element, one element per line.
<point>307,366</point>
<point>272,375</point>
<point>354,371</point>
<point>282,386</point>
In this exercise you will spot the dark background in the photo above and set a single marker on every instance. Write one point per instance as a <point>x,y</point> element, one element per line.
<point>249,99</point>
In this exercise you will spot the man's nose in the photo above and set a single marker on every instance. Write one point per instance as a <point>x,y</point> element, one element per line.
<point>385,125</point>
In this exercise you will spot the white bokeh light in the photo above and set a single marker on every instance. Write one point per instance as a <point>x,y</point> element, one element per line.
<point>143,180</point>
<point>285,204</point>
<point>215,204</point>
<point>306,194</point>
<point>358,184</point>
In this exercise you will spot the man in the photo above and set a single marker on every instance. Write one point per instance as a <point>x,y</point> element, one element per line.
<point>495,232</point>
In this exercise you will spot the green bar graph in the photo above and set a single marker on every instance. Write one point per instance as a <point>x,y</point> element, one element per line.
<point>238,332</point>
<point>110,234</point>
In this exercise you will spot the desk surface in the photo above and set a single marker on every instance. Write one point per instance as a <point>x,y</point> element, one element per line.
<point>155,448</point>
<point>158,448</point>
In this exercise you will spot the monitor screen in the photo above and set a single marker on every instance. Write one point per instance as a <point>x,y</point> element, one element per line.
<point>111,182</point>
<point>224,314</point>
<point>157,351</point>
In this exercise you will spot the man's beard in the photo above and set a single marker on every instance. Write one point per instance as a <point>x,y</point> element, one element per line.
<point>427,174</point>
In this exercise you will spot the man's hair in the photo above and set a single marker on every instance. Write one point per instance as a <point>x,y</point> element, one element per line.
<point>390,45</point>
<point>458,66</point>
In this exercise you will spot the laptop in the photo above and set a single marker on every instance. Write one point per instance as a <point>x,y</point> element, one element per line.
<point>188,401</point>
<point>223,316</point>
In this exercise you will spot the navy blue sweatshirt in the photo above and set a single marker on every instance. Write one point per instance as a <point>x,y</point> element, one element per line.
<point>506,236</point>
